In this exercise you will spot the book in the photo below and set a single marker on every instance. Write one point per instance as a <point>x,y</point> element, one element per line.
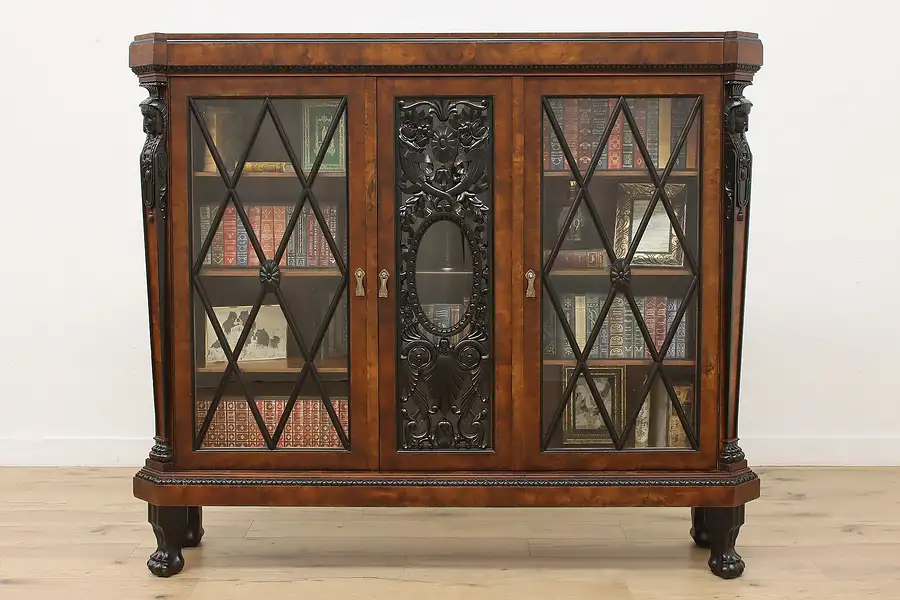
<point>681,109</point>
<point>660,335</point>
<point>664,143</point>
<point>255,214</point>
<point>229,223</point>
<point>290,256</point>
<point>568,306</point>
<point>638,336</point>
<point>301,237</point>
<point>681,338</point>
<point>617,328</point>
<point>599,117</point>
<point>614,146</point>
<point>242,242</point>
<point>278,215</point>
<point>217,250</point>
<point>650,321</point>
<point>548,330</point>
<point>312,245</point>
<point>640,116</point>
<point>558,160</point>
<point>267,226</point>
<point>586,141</point>
<point>652,138</point>
<point>672,305</point>
<point>204,231</point>
<point>316,119</point>
<point>628,137</point>
<point>593,312</point>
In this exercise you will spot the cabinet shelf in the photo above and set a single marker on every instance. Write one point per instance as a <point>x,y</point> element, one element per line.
<point>616,173</point>
<point>618,362</point>
<point>285,272</point>
<point>270,174</point>
<point>280,365</point>
<point>635,272</point>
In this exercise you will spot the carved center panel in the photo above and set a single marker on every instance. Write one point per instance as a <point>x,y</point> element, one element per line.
<point>444,170</point>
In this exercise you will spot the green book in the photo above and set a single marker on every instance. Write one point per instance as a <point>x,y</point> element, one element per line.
<point>317,116</point>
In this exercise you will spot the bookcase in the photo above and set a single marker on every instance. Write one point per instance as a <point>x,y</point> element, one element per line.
<point>446,270</point>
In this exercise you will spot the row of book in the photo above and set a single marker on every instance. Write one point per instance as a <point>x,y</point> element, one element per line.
<point>307,246</point>
<point>660,122</point>
<point>620,336</point>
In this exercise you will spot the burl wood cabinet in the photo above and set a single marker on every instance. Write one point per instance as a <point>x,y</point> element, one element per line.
<point>446,270</point>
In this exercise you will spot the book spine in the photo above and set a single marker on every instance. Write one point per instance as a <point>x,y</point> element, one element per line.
<point>614,146</point>
<point>217,250</point>
<point>593,310</point>
<point>660,336</point>
<point>628,331</point>
<point>653,131</point>
<point>267,225</point>
<point>671,308</point>
<point>242,243</point>
<point>680,113</point>
<point>586,140</point>
<point>640,116</point>
<point>578,259</point>
<point>332,212</point>
<point>665,131</point>
<point>278,215</point>
<point>229,226</point>
<point>604,337</point>
<point>617,328</point>
<point>681,338</point>
<point>301,238</point>
<point>291,252</point>
<point>204,231</point>
<point>628,138</point>
<point>650,321</point>
<point>570,129</point>
<point>599,115</point>
<point>256,225</point>
<point>638,336</point>
<point>557,156</point>
<point>549,337</point>
<point>580,321</point>
<point>312,240</point>
<point>573,234</point>
<point>568,305</point>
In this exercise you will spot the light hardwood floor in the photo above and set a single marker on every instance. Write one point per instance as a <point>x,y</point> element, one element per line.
<point>816,534</point>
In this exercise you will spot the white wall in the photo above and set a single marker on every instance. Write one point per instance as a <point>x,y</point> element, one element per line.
<point>821,342</point>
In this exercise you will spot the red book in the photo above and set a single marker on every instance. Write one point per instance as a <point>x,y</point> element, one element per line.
<point>255,214</point>
<point>615,139</point>
<point>267,226</point>
<point>229,228</point>
<point>640,105</point>
<point>278,231</point>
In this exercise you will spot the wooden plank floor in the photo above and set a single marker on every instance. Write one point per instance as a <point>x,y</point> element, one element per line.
<point>817,534</point>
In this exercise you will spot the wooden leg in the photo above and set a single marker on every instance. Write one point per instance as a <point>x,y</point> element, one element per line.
<point>193,533</point>
<point>723,526</point>
<point>699,529</point>
<point>169,525</point>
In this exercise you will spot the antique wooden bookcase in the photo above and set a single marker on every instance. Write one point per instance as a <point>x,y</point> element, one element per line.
<point>446,270</point>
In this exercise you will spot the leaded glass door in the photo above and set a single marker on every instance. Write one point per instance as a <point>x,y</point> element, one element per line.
<point>444,164</point>
<point>621,342</point>
<point>267,310</point>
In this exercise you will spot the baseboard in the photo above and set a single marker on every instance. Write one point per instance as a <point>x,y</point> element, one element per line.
<point>761,451</point>
<point>74,452</point>
<point>822,451</point>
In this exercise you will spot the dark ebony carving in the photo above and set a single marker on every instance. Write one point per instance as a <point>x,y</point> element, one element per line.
<point>723,526</point>
<point>444,162</point>
<point>270,275</point>
<point>620,274</point>
<point>169,525</point>
<point>154,169</point>
<point>499,481</point>
<point>731,453</point>
<point>738,158</point>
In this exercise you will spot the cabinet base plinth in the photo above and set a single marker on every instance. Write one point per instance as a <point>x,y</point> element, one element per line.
<point>494,489</point>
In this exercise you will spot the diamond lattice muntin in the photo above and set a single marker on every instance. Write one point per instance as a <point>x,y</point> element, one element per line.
<point>658,197</point>
<point>228,158</point>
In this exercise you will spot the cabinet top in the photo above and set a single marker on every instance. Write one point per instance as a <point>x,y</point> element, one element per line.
<point>735,54</point>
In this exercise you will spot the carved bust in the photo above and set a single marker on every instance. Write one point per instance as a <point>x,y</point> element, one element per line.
<point>739,115</point>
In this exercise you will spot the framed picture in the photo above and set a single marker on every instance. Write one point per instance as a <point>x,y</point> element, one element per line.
<point>659,245</point>
<point>582,422</point>
<point>267,339</point>
<point>675,435</point>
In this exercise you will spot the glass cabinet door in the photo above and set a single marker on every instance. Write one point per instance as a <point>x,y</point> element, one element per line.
<point>269,205</point>
<point>444,157</point>
<point>622,190</point>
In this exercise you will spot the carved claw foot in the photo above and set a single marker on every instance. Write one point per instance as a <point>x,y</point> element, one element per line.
<point>169,524</point>
<point>193,533</point>
<point>699,529</point>
<point>723,526</point>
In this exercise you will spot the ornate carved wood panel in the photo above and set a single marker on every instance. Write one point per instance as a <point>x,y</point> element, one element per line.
<point>444,226</point>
